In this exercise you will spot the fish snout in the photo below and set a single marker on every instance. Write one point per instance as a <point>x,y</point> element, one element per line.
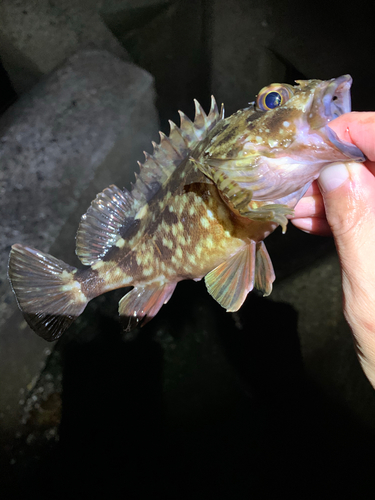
<point>331,99</point>
<point>337,100</point>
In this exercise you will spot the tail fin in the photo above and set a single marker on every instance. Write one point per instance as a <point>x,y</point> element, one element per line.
<point>47,292</point>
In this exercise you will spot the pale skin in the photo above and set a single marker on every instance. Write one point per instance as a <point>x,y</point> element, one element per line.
<point>342,203</point>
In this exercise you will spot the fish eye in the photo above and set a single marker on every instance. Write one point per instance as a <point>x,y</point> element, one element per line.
<point>273,96</point>
<point>272,100</point>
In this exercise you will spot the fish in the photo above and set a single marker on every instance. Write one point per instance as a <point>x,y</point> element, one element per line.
<point>201,207</point>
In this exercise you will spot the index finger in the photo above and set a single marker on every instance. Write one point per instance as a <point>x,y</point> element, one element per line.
<point>313,189</point>
<point>357,128</point>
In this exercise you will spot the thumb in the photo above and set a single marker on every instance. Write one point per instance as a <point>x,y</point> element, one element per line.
<point>349,197</point>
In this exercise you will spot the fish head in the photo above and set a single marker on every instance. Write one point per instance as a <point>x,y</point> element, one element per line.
<point>318,101</point>
<point>279,144</point>
<point>297,118</point>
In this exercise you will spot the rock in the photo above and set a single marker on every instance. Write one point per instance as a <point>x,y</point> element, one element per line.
<point>38,36</point>
<point>170,40</point>
<point>77,131</point>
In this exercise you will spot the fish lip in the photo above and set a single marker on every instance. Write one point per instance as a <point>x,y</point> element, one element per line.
<point>336,100</point>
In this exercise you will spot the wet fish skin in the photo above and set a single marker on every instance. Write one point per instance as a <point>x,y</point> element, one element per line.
<point>201,207</point>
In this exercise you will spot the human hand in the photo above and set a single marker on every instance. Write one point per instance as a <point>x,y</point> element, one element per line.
<point>342,203</point>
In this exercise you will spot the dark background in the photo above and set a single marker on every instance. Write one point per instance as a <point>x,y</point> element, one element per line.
<point>192,406</point>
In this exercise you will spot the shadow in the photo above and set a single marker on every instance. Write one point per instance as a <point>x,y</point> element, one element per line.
<point>24,73</point>
<point>306,441</point>
<point>291,72</point>
<point>198,403</point>
<point>7,94</point>
<point>110,435</point>
<point>282,436</point>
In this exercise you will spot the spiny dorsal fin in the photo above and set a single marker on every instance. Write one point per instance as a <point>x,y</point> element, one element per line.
<point>100,226</point>
<point>172,151</point>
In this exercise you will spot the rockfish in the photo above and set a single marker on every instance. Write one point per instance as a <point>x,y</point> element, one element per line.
<point>201,206</point>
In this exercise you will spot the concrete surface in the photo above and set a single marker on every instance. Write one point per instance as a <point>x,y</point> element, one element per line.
<point>242,64</point>
<point>37,36</point>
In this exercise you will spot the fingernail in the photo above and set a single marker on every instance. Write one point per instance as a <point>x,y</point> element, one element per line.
<point>333,176</point>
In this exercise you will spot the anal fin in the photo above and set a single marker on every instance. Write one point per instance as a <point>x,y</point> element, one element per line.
<point>264,273</point>
<point>143,302</point>
<point>231,281</point>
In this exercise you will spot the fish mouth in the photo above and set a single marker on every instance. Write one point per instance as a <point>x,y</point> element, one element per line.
<point>336,99</point>
<point>330,99</point>
<point>335,102</point>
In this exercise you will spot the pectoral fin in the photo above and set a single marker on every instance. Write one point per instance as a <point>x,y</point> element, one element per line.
<point>273,212</point>
<point>236,197</point>
<point>231,281</point>
<point>240,199</point>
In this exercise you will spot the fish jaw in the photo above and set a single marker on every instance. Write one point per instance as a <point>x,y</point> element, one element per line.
<point>331,99</point>
<point>347,148</point>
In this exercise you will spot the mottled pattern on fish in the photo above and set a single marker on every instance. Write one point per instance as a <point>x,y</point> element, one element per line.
<point>201,207</point>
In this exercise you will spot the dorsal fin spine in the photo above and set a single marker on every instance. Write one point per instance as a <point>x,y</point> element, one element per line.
<point>214,112</point>
<point>168,144</point>
<point>200,120</point>
<point>177,138</point>
<point>187,128</point>
<point>172,150</point>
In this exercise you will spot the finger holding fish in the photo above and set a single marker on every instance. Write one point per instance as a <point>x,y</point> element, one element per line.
<point>355,128</point>
<point>311,205</point>
<point>309,213</point>
<point>313,225</point>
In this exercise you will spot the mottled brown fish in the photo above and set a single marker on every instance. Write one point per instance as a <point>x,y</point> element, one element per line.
<point>201,207</point>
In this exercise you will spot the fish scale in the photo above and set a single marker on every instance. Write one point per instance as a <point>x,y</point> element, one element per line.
<point>201,206</point>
